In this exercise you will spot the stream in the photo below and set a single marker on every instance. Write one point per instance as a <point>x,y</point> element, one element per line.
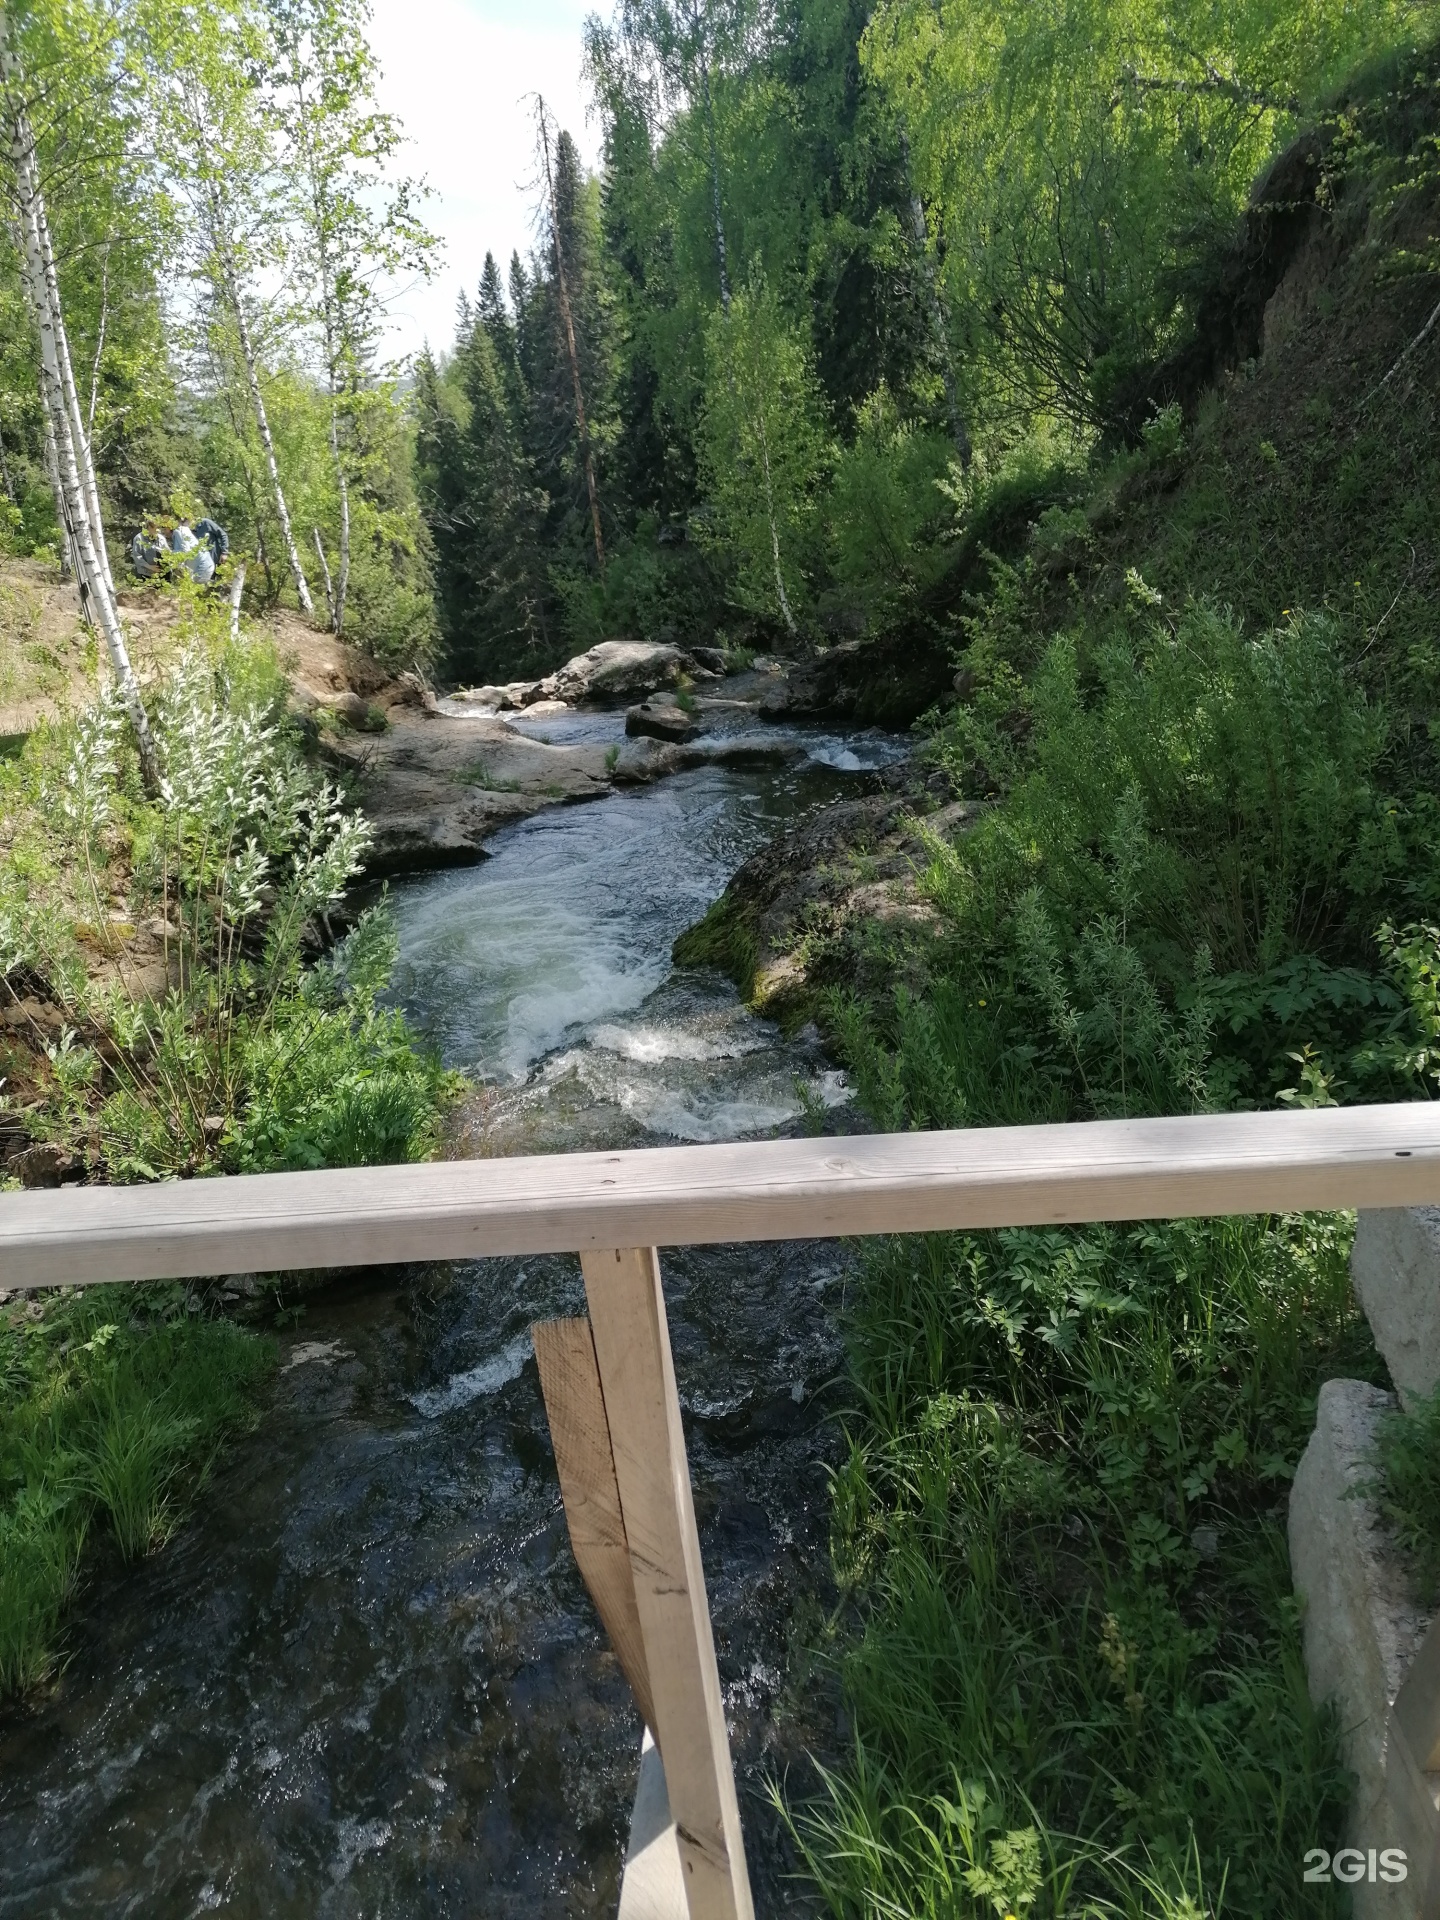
<point>365,1678</point>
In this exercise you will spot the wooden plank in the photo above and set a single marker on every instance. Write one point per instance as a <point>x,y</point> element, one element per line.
<point>760,1190</point>
<point>632,1345</point>
<point>575,1406</point>
<point>653,1885</point>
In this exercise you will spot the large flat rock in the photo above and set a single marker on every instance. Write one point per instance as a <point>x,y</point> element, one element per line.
<point>1362,1631</point>
<point>617,669</point>
<point>434,789</point>
<point>1395,1267</point>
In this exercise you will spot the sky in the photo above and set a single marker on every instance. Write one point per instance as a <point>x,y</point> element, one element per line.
<point>456,73</point>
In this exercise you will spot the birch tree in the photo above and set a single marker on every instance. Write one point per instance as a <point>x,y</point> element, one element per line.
<point>215,136</point>
<point>678,44</point>
<point>762,449</point>
<point>352,229</point>
<point>67,438</point>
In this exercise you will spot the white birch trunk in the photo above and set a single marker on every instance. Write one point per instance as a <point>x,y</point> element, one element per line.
<point>325,577</point>
<point>69,391</point>
<point>774,529</point>
<point>272,465</point>
<point>230,286</point>
<point>97,597</point>
<point>237,594</point>
<point>52,474</point>
<point>342,584</point>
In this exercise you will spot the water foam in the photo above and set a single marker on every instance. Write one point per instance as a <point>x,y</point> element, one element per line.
<point>476,1382</point>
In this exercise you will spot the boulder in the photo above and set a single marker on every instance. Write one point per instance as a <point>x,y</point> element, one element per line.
<point>616,668</point>
<point>1362,1633</point>
<point>661,720</point>
<point>489,699</point>
<point>350,708</point>
<point>43,1165</point>
<point>712,659</point>
<point>1395,1267</point>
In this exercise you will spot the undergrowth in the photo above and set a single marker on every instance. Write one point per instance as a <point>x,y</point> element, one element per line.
<point>178,938</point>
<point>177,1003</point>
<point>1201,875</point>
<point>113,1405</point>
<point>1409,1487</point>
<point>1075,1677</point>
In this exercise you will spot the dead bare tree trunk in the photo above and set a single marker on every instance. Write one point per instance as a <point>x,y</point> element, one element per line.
<point>325,576</point>
<point>564,292</point>
<point>229,286</point>
<point>79,502</point>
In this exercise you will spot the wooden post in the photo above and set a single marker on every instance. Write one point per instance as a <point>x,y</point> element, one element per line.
<point>580,1432</point>
<point>637,1376</point>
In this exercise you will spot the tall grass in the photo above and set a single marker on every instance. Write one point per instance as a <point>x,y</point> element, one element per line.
<point>1074,1671</point>
<point>113,1406</point>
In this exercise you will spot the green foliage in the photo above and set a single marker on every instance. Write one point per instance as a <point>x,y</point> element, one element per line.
<point>1179,891</point>
<point>762,451</point>
<point>241,1055</point>
<point>1409,1486</point>
<point>885,508</point>
<point>113,1406</point>
<point>1081,161</point>
<point>1077,1661</point>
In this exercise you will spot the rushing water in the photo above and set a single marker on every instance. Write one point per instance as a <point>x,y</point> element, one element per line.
<point>365,1679</point>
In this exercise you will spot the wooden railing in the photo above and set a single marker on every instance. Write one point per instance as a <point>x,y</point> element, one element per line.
<point>609,1380</point>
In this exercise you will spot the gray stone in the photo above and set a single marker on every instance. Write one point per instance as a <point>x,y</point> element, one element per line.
<point>350,708</point>
<point>1362,1630</point>
<point>616,668</point>
<point>43,1165</point>
<point>661,720</point>
<point>1395,1267</point>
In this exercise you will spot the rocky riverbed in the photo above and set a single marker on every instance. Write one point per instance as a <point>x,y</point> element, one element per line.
<point>437,777</point>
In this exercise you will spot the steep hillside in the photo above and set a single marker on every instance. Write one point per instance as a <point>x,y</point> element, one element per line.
<point>1170,846</point>
<point>1300,477</point>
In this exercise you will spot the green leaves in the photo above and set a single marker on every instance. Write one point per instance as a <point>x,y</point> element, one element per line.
<point>1079,158</point>
<point>763,451</point>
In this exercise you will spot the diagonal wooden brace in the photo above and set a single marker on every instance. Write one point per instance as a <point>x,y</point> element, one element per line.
<point>610,1392</point>
<point>580,1432</point>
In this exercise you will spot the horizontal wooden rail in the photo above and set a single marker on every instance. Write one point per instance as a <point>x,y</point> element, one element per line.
<point>1333,1157</point>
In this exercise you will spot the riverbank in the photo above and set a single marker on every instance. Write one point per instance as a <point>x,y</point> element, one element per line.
<point>1169,849</point>
<point>371,1644</point>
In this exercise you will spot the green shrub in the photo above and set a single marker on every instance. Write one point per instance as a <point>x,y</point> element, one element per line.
<point>1077,1656</point>
<point>248,1057</point>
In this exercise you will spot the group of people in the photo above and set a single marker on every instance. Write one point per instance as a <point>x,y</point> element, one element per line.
<point>161,551</point>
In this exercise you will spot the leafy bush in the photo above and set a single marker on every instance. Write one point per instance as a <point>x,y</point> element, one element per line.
<point>1075,1680</point>
<point>244,1057</point>
<point>1178,891</point>
<point>885,508</point>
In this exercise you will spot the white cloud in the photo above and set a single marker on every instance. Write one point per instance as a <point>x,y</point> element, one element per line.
<point>456,72</point>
